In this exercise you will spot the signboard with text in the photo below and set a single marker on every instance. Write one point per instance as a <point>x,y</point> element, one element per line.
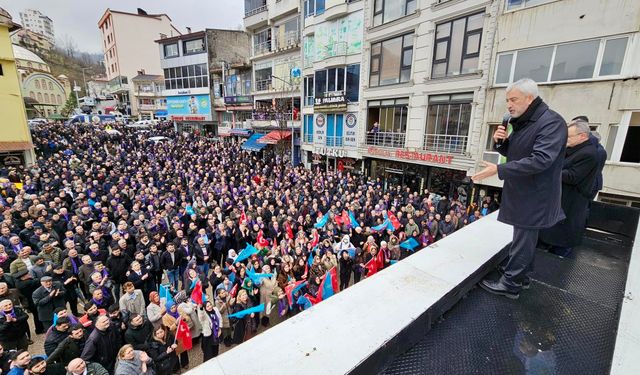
<point>319,129</point>
<point>243,99</point>
<point>350,138</point>
<point>189,108</point>
<point>428,157</point>
<point>330,102</point>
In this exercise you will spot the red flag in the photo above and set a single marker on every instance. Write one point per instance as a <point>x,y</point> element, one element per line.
<point>289,230</point>
<point>289,288</point>
<point>334,279</point>
<point>183,335</point>
<point>316,239</point>
<point>314,299</point>
<point>263,242</point>
<point>345,217</point>
<point>394,220</point>
<point>243,217</point>
<point>380,258</point>
<point>372,266</point>
<point>338,219</point>
<point>234,290</point>
<point>196,293</point>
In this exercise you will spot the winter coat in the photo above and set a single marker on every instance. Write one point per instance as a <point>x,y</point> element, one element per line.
<point>532,174</point>
<point>46,304</point>
<point>163,362</point>
<point>14,331</point>
<point>190,310</point>
<point>135,305</point>
<point>133,366</point>
<point>154,314</point>
<point>118,266</point>
<point>54,338</point>
<point>139,336</point>
<point>67,350</point>
<point>102,347</point>
<point>579,172</point>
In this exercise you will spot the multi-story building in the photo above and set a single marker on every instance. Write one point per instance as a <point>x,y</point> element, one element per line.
<point>31,40</point>
<point>48,94</point>
<point>230,70</point>
<point>16,146</point>
<point>129,47</point>
<point>148,91</point>
<point>332,38</point>
<point>425,68</point>
<point>274,26</point>
<point>39,23</point>
<point>584,56</point>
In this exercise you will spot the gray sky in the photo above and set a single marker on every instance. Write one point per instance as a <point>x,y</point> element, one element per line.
<point>79,18</point>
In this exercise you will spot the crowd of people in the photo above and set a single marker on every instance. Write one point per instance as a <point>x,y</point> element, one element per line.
<point>106,239</point>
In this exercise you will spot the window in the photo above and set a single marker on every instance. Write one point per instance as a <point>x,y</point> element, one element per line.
<point>353,83</point>
<point>59,99</point>
<point>262,42</point>
<point>563,62</point>
<point>37,83</point>
<point>308,129</point>
<point>630,149</point>
<point>392,117</point>
<point>252,7</point>
<point>388,10</point>
<point>308,91</point>
<point>39,97</point>
<point>170,50</point>
<point>313,7</point>
<point>448,121</point>
<point>611,140</point>
<point>391,61</point>
<point>457,46</point>
<point>335,124</point>
<point>50,86</point>
<point>186,77</point>
<point>193,46</point>
<point>518,4</point>
<point>263,79</point>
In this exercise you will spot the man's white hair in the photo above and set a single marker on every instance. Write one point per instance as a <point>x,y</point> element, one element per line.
<point>526,86</point>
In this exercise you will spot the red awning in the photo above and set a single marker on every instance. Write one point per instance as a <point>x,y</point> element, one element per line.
<point>274,137</point>
<point>15,146</point>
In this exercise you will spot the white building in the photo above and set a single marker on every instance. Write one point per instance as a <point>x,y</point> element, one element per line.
<point>585,55</point>
<point>274,26</point>
<point>39,23</point>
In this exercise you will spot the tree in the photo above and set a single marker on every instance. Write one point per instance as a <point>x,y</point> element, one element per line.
<point>69,106</point>
<point>69,45</point>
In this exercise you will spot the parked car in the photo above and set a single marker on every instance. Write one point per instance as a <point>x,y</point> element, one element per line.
<point>159,138</point>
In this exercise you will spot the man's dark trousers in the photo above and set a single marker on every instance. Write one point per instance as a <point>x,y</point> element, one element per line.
<point>521,255</point>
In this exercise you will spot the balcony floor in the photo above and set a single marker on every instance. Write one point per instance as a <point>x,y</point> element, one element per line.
<point>565,324</point>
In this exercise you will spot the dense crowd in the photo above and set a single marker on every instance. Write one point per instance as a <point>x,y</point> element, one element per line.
<point>118,245</point>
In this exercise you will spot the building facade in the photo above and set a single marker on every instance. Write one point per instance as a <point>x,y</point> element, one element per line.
<point>129,47</point>
<point>274,26</point>
<point>32,40</point>
<point>185,64</point>
<point>148,92</point>
<point>39,23</point>
<point>16,146</point>
<point>48,94</point>
<point>332,38</point>
<point>591,68</point>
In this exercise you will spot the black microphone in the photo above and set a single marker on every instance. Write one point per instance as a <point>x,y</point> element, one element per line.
<point>505,122</point>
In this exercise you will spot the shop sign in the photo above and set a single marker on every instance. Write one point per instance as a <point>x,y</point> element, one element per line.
<point>241,99</point>
<point>350,133</point>
<point>330,101</point>
<point>348,163</point>
<point>329,151</point>
<point>411,155</point>
<point>12,160</point>
<point>317,159</point>
<point>188,118</point>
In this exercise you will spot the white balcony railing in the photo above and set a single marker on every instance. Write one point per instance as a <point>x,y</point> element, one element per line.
<point>254,11</point>
<point>263,85</point>
<point>386,139</point>
<point>307,138</point>
<point>288,40</point>
<point>451,144</point>
<point>334,141</point>
<point>262,48</point>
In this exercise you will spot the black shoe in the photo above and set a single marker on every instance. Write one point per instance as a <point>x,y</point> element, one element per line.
<point>496,287</point>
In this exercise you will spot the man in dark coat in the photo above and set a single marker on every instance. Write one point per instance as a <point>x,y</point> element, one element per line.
<point>102,345</point>
<point>532,180</point>
<point>594,138</point>
<point>578,175</point>
<point>48,297</point>
<point>14,327</point>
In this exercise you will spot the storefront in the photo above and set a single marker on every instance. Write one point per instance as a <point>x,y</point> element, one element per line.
<point>192,114</point>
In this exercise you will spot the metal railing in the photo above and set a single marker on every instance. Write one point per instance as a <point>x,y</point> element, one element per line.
<point>386,139</point>
<point>262,48</point>
<point>290,38</point>
<point>307,138</point>
<point>257,10</point>
<point>452,144</point>
<point>334,142</point>
<point>263,85</point>
<point>271,116</point>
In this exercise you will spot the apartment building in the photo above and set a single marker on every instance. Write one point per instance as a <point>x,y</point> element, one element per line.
<point>274,26</point>
<point>39,23</point>
<point>148,92</point>
<point>332,38</point>
<point>584,56</point>
<point>128,40</point>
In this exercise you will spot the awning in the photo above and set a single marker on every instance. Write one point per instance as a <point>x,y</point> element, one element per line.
<point>161,113</point>
<point>251,144</point>
<point>15,146</point>
<point>274,137</point>
<point>240,132</point>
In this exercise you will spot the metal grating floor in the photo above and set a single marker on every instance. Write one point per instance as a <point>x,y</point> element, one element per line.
<point>565,324</point>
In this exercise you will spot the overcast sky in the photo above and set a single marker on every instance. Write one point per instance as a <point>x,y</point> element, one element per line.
<point>79,18</point>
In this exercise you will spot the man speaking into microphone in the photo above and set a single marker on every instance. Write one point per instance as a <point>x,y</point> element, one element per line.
<point>532,178</point>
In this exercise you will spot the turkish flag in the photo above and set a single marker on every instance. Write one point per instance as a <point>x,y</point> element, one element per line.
<point>316,238</point>
<point>243,217</point>
<point>345,217</point>
<point>394,220</point>
<point>196,294</point>
<point>289,230</point>
<point>183,337</point>
<point>261,241</point>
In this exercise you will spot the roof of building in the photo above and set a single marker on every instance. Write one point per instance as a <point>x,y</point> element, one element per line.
<point>108,10</point>
<point>147,77</point>
<point>21,53</point>
<point>181,37</point>
<point>5,18</point>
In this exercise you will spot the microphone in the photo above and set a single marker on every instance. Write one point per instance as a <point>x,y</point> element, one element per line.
<point>505,122</point>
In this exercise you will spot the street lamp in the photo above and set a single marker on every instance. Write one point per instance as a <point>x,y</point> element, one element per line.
<point>295,72</point>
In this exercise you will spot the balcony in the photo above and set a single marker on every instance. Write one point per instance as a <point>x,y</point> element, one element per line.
<point>450,144</point>
<point>263,85</point>
<point>283,7</point>
<point>290,40</point>
<point>386,139</point>
<point>336,11</point>
<point>256,17</point>
<point>307,138</point>
<point>334,141</point>
<point>262,48</point>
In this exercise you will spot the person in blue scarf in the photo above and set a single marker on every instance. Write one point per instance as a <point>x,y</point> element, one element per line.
<point>210,319</point>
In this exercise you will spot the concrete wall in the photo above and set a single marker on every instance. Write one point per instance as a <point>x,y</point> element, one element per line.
<point>226,45</point>
<point>14,119</point>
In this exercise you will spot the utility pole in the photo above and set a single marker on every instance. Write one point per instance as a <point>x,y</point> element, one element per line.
<point>84,80</point>
<point>292,118</point>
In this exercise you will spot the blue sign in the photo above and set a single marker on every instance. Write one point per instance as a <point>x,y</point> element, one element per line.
<point>189,107</point>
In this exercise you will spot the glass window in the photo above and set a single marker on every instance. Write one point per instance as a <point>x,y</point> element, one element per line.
<point>457,46</point>
<point>613,56</point>
<point>321,82</point>
<point>331,79</point>
<point>504,68</point>
<point>353,83</point>
<point>575,60</point>
<point>193,46</point>
<point>340,79</point>
<point>389,10</point>
<point>534,64</point>
<point>170,50</point>
<point>448,121</point>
